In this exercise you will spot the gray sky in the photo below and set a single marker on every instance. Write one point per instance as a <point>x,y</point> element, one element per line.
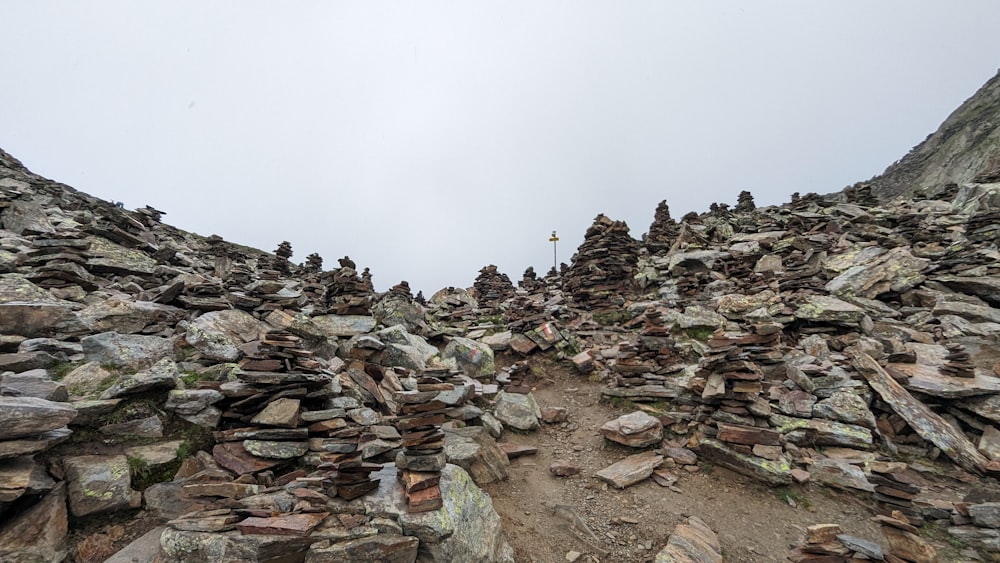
<point>428,139</point>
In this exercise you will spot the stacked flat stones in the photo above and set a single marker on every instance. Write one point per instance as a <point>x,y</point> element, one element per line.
<point>604,266</point>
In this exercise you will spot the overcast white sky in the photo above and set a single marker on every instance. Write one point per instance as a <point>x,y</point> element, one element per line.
<point>429,139</point>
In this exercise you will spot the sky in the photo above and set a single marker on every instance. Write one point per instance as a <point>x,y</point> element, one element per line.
<point>429,139</point>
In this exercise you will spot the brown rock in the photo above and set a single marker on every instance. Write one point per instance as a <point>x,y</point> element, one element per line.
<point>285,525</point>
<point>387,548</point>
<point>283,413</point>
<point>748,436</point>
<point>630,470</point>
<point>563,469</point>
<point>234,457</point>
<point>909,546</point>
<point>823,533</point>
<point>225,490</point>
<point>692,541</point>
<point>39,533</point>
<point>424,500</point>
<point>553,415</point>
<point>637,430</point>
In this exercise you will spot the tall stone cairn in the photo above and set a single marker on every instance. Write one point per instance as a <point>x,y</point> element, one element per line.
<point>663,231</point>
<point>492,287</point>
<point>744,202</point>
<point>604,266</point>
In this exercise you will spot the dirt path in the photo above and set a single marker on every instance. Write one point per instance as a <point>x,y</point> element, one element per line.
<point>755,523</point>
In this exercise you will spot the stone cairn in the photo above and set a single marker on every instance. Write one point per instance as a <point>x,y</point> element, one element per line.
<point>745,203</point>
<point>894,492</point>
<point>422,458</point>
<point>492,288</point>
<point>604,266</point>
<point>347,292</point>
<point>663,231</point>
<point>959,362</point>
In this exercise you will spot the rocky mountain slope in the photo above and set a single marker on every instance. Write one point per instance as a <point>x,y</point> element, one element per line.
<point>965,148</point>
<point>241,407</point>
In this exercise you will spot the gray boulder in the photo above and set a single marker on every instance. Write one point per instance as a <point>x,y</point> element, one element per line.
<point>129,351</point>
<point>845,406</point>
<point>472,357</point>
<point>517,411</point>
<point>219,334</point>
<point>34,383</point>
<point>466,528</point>
<point>30,416</point>
<point>405,350</point>
<point>473,449</point>
<point>161,376</point>
<point>125,316</point>
<point>98,483</point>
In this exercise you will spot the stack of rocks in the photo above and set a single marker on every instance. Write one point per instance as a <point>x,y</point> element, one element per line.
<point>895,491</point>
<point>861,194</point>
<point>959,362</point>
<point>492,288</point>
<point>347,292</point>
<point>420,462</point>
<point>732,367</point>
<point>745,203</point>
<point>639,375</point>
<point>28,426</point>
<point>604,266</point>
<point>530,282</point>
<point>984,227</point>
<point>282,255</point>
<point>58,263</point>
<point>280,351</point>
<point>663,231</point>
<point>314,264</point>
<point>827,543</point>
<point>454,306</point>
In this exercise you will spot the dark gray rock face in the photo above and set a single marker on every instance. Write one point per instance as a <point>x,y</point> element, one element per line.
<point>963,149</point>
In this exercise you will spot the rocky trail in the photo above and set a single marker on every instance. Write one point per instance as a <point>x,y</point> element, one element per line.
<point>755,523</point>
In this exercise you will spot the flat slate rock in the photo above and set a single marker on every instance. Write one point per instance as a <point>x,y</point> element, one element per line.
<point>234,457</point>
<point>386,548</point>
<point>285,525</point>
<point>929,381</point>
<point>630,470</point>
<point>30,416</point>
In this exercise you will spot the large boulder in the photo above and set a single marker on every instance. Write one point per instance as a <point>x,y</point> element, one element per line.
<point>161,376</point>
<point>108,257</point>
<point>345,325</point>
<point>182,546</point>
<point>405,350</point>
<point>465,528</point>
<point>128,351</point>
<point>472,357</point>
<point>217,335</point>
<point>473,449</point>
<point>26,217</point>
<point>637,429</point>
<point>39,533</point>
<point>518,410</point>
<point>692,541</point>
<point>128,317</point>
<point>871,271</point>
